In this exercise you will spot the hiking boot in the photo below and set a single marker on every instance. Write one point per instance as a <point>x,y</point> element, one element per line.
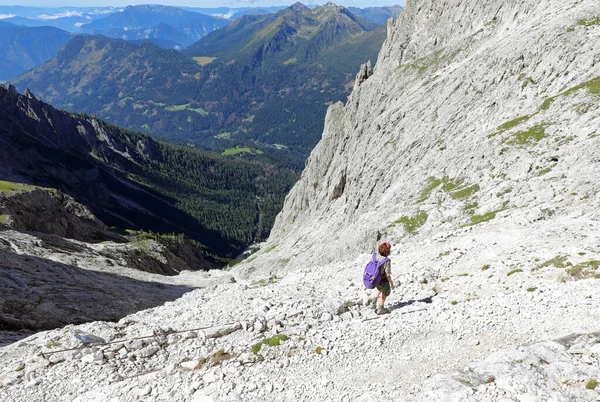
<point>382,310</point>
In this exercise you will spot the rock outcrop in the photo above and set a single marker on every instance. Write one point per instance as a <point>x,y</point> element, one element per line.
<point>52,212</point>
<point>476,112</point>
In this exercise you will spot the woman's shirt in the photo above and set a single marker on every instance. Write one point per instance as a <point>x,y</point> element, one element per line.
<point>386,268</point>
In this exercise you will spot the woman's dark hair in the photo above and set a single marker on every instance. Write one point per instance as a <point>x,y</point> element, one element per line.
<point>385,248</point>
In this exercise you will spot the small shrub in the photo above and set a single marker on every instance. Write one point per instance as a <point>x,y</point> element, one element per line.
<point>485,267</point>
<point>514,271</point>
<point>319,349</point>
<point>532,289</point>
<point>591,384</point>
<point>465,274</point>
<point>454,302</point>
<point>490,379</point>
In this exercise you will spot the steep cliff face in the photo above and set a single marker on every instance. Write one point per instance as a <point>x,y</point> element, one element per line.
<point>476,112</point>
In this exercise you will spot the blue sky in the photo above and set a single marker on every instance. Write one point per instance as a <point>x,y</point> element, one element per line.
<point>194,3</point>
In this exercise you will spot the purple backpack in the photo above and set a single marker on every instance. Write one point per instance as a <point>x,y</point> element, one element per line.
<point>372,277</point>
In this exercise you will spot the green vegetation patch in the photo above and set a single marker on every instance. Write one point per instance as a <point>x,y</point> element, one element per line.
<point>584,270</point>
<point>510,124</point>
<point>531,136</point>
<point>179,108</point>
<point>272,341</point>
<point>465,192</point>
<point>544,171</point>
<point>198,110</point>
<point>532,289</point>
<point>431,185</point>
<point>412,223</point>
<point>290,61</point>
<point>8,187</point>
<point>477,219</point>
<point>264,282</point>
<point>241,150</point>
<point>559,262</point>
<point>593,86</point>
<point>53,344</point>
<point>591,384</point>
<point>433,60</point>
<point>4,218</point>
<point>588,23</point>
<point>485,267</point>
<point>514,271</point>
<point>457,188</point>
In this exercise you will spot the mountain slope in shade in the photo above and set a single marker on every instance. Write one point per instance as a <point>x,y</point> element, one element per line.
<point>23,48</point>
<point>131,181</point>
<point>160,24</point>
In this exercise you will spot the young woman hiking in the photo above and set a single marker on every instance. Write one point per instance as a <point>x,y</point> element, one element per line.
<point>386,285</point>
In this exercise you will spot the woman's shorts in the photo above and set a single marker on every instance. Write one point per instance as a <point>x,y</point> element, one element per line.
<point>384,287</point>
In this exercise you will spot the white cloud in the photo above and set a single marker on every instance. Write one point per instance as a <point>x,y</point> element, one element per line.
<point>66,14</point>
<point>5,16</point>
<point>226,16</point>
<point>79,24</point>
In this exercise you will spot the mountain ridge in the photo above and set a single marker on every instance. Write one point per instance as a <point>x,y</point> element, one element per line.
<point>279,80</point>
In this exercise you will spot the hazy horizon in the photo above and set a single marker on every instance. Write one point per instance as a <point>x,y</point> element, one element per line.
<point>198,4</point>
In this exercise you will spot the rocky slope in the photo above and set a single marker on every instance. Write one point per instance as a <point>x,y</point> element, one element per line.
<point>60,265</point>
<point>472,148</point>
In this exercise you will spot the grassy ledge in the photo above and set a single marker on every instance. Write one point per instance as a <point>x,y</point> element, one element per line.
<point>272,341</point>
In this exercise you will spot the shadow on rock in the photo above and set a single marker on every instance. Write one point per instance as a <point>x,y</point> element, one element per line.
<point>399,305</point>
<point>40,294</point>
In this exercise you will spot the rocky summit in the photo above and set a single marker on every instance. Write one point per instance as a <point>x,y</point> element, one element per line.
<point>472,147</point>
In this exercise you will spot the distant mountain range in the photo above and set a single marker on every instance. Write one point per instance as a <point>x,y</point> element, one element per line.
<point>165,26</point>
<point>23,48</point>
<point>66,18</point>
<point>131,181</point>
<point>263,78</point>
<point>377,15</point>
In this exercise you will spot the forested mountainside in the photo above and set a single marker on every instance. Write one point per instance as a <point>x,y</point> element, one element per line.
<point>289,66</point>
<point>23,48</point>
<point>134,182</point>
